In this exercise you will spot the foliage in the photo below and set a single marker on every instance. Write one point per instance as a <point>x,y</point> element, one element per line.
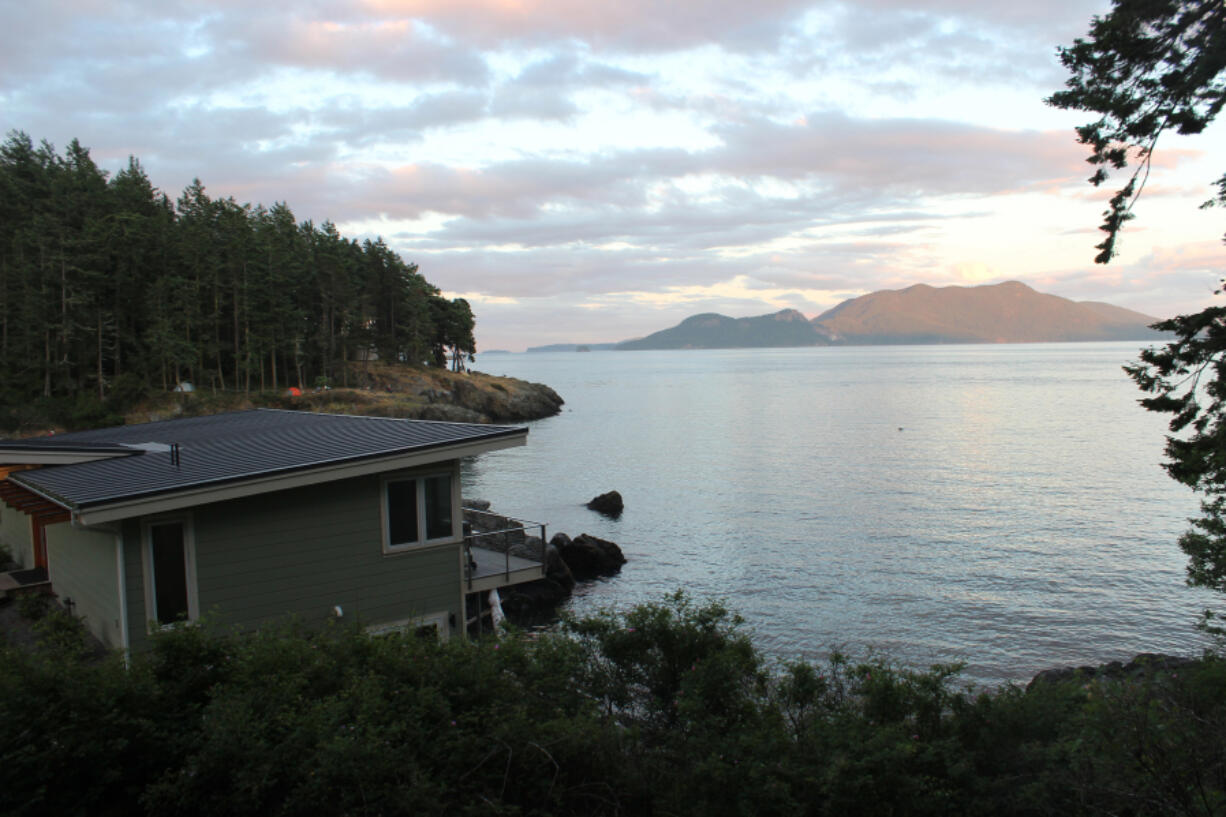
<point>453,333</point>
<point>1187,379</point>
<point>666,709</point>
<point>1146,747</point>
<point>1149,66</point>
<point>108,290</point>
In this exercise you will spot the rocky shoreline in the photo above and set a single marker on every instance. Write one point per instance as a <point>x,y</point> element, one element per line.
<point>435,394</point>
<point>461,397</point>
<point>375,389</point>
<point>1142,666</point>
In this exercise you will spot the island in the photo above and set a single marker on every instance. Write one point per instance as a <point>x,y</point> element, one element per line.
<point>1010,312</point>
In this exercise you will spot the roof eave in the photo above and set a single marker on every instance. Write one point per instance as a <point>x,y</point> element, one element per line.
<point>111,511</point>
<point>32,455</point>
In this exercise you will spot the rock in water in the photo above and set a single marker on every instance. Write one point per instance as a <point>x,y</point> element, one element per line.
<point>589,557</point>
<point>609,504</point>
<point>524,603</point>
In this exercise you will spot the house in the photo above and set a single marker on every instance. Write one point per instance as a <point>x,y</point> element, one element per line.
<point>252,515</point>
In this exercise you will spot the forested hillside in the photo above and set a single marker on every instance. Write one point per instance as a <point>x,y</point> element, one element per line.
<point>108,287</point>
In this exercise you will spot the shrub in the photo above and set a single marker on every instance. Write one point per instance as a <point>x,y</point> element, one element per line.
<point>665,709</point>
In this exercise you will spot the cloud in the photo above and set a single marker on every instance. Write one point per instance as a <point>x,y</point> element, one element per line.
<point>399,50</point>
<point>630,25</point>
<point>911,157</point>
<point>612,159</point>
<point>840,164</point>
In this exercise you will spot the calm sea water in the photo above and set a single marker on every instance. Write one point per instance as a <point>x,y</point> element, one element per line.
<point>998,505</point>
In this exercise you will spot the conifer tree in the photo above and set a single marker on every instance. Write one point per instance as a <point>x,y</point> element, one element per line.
<point>105,281</point>
<point>1149,67</point>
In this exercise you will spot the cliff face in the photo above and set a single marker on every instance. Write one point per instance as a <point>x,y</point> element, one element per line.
<point>1002,313</point>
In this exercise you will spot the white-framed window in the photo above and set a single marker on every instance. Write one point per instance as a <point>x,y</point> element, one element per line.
<point>418,510</point>
<point>431,626</point>
<point>169,558</point>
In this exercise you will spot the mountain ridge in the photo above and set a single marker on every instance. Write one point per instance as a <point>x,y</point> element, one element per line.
<point>1008,312</point>
<point>710,330</point>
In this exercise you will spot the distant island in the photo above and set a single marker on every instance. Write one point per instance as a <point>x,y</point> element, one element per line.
<point>1011,312</point>
<point>712,331</point>
<point>573,347</point>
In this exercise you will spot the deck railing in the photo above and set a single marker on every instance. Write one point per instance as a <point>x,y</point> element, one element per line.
<point>502,534</point>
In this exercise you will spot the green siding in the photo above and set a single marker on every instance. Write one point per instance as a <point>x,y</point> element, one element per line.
<point>83,565</point>
<point>301,552</point>
<point>15,535</point>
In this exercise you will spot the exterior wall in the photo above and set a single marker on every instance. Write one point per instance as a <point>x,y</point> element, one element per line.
<point>301,552</point>
<point>134,584</point>
<point>15,535</point>
<point>84,566</point>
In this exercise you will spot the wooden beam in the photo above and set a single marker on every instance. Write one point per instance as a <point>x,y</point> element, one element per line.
<point>5,470</point>
<point>28,502</point>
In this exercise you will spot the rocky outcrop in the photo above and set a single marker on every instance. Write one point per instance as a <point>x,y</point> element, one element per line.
<point>1142,666</point>
<point>529,602</point>
<point>505,399</point>
<point>433,394</point>
<point>609,504</point>
<point>590,557</point>
<point>567,561</point>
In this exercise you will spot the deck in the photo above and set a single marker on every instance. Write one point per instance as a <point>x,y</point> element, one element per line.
<point>496,569</point>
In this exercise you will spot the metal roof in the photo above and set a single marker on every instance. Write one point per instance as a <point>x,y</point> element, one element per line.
<point>224,448</point>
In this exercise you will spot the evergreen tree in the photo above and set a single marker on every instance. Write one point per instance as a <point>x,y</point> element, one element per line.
<point>103,281</point>
<point>1150,66</point>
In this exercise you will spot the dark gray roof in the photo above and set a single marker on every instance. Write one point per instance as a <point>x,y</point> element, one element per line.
<point>230,447</point>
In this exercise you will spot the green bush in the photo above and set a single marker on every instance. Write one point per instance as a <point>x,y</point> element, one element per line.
<point>665,709</point>
<point>126,392</point>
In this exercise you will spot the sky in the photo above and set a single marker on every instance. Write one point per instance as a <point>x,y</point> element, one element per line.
<point>588,171</point>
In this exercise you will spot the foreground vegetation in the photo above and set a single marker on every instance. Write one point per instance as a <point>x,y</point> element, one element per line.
<point>667,709</point>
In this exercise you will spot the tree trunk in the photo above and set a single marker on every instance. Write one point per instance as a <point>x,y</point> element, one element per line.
<point>101,387</point>
<point>298,362</point>
<point>236,340</point>
<point>221,374</point>
<point>4,316</point>
<point>47,362</point>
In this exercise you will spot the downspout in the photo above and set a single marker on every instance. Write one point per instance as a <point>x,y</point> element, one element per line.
<point>120,560</point>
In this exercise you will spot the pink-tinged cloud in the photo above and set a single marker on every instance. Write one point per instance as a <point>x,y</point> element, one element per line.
<point>1206,256</point>
<point>917,156</point>
<point>637,25</point>
<point>851,166</point>
<point>1035,13</point>
<point>399,50</point>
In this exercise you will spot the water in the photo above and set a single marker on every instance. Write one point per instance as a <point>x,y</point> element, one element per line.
<point>1003,506</point>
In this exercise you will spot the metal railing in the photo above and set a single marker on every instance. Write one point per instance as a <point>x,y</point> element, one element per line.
<point>500,534</point>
